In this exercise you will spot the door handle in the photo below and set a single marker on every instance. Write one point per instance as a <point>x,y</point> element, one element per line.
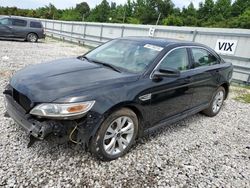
<point>8,27</point>
<point>188,79</point>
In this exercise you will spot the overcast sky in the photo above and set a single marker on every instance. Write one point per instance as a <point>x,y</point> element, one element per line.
<point>62,4</point>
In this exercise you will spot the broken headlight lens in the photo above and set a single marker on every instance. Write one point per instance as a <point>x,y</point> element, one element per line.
<point>63,111</point>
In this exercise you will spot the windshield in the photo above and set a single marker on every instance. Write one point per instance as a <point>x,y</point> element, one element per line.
<point>131,56</point>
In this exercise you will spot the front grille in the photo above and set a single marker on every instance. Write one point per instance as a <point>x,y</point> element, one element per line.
<point>22,100</point>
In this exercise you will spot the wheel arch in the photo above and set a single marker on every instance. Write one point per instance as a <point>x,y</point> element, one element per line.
<point>133,107</point>
<point>226,87</point>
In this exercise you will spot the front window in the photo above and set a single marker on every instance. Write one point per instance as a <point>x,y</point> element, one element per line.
<point>5,21</point>
<point>131,56</point>
<point>177,59</point>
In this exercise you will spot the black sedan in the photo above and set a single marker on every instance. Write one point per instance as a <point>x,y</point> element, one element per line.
<point>117,92</point>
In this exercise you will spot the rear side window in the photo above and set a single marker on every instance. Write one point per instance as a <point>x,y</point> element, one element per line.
<point>18,22</point>
<point>177,59</point>
<point>35,25</point>
<point>203,58</point>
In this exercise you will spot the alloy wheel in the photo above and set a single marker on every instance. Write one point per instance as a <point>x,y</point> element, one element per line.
<point>218,100</point>
<point>32,37</point>
<point>118,135</point>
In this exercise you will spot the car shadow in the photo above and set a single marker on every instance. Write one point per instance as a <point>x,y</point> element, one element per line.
<point>53,144</point>
<point>18,40</point>
<point>169,128</point>
<point>54,147</point>
<point>173,127</point>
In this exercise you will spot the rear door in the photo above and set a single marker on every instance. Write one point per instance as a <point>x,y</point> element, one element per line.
<point>6,27</point>
<point>171,95</point>
<point>36,27</point>
<point>205,75</point>
<point>19,28</point>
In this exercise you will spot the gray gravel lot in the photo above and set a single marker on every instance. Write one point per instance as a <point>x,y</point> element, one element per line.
<point>196,152</point>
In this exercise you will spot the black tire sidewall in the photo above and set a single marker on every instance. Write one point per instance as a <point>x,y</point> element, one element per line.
<point>209,110</point>
<point>96,146</point>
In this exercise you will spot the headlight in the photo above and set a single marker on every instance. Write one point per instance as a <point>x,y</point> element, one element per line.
<point>63,111</point>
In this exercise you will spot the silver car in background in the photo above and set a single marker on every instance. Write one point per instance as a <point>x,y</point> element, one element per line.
<point>21,28</point>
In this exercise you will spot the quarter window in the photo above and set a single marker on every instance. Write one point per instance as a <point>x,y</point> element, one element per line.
<point>18,22</point>
<point>203,58</point>
<point>35,25</point>
<point>177,59</point>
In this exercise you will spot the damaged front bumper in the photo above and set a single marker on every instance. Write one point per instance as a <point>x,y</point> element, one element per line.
<point>83,129</point>
<point>34,127</point>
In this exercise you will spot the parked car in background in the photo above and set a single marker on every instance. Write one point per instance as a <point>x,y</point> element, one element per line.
<point>107,98</point>
<point>21,28</point>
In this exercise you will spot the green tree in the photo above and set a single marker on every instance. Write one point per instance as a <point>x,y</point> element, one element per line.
<point>146,11</point>
<point>83,9</point>
<point>189,15</point>
<point>71,15</point>
<point>51,11</point>
<point>165,7</point>
<point>206,10</point>
<point>239,6</point>
<point>117,14</point>
<point>100,13</point>
<point>244,19</point>
<point>211,13</point>
<point>132,20</point>
<point>173,20</point>
<point>223,9</point>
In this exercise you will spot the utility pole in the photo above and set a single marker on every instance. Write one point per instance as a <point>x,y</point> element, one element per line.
<point>124,15</point>
<point>158,19</point>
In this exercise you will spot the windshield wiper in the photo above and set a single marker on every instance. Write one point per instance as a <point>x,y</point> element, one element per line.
<point>84,57</point>
<point>106,65</point>
<point>99,62</point>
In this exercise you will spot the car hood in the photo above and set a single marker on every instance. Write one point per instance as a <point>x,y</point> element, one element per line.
<point>47,82</point>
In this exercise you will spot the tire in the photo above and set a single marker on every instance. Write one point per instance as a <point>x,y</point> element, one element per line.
<point>32,37</point>
<point>110,142</point>
<point>216,103</point>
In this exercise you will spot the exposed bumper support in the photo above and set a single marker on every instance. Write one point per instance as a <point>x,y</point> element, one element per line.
<point>33,127</point>
<point>86,127</point>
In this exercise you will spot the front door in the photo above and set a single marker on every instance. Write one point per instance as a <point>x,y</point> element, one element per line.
<point>172,95</point>
<point>19,28</point>
<point>5,27</point>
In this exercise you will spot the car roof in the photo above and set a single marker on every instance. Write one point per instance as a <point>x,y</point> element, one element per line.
<point>161,41</point>
<point>22,18</point>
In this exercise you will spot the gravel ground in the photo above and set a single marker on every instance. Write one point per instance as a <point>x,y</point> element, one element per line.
<point>196,152</point>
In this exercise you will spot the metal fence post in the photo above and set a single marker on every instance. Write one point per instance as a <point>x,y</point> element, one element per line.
<point>72,29</point>
<point>84,32</point>
<point>195,32</point>
<point>122,33</point>
<point>101,32</point>
<point>61,31</point>
<point>53,29</point>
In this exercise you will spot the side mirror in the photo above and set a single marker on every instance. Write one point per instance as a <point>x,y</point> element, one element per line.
<point>166,73</point>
